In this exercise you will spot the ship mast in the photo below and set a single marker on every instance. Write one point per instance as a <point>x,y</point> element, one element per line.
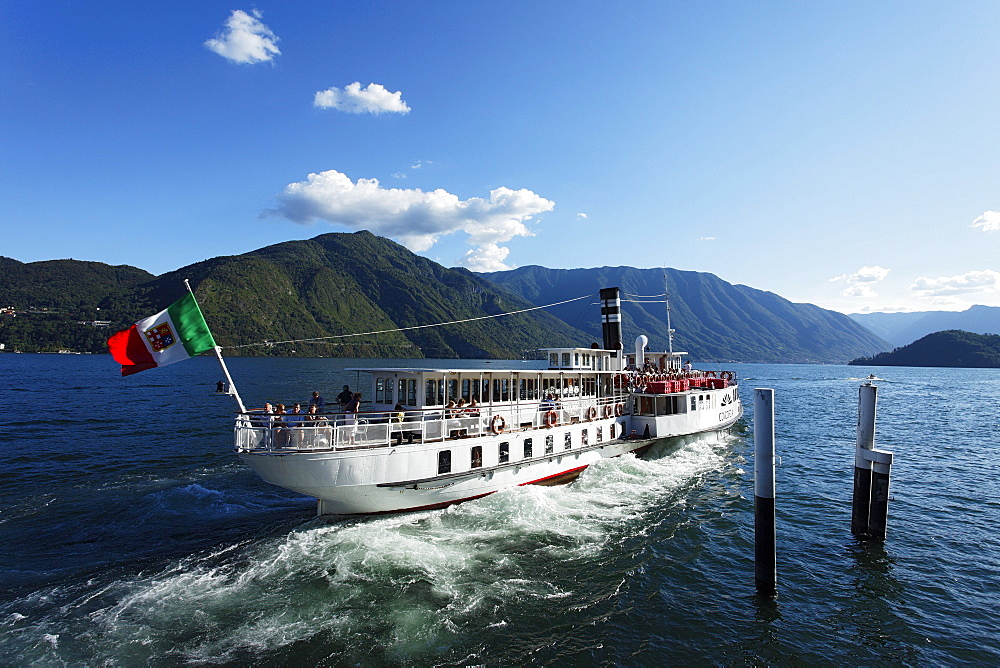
<point>666,299</point>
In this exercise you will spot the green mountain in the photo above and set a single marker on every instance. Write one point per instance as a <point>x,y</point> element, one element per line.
<point>331,285</point>
<point>53,296</point>
<point>950,348</point>
<point>337,284</point>
<point>714,320</point>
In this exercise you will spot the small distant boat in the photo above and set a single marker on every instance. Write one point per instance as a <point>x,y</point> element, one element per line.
<point>462,434</point>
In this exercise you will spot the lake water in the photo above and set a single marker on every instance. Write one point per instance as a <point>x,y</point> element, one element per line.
<point>131,534</point>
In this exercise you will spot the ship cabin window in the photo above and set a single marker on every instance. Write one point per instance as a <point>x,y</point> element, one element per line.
<point>504,452</point>
<point>611,430</point>
<point>600,435</point>
<point>444,462</point>
<point>380,391</point>
<point>477,456</point>
<point>576,359</point>
<point>586,360</point>
<point>411,392</point>
<point>553,359</point>
<point>549,444</point>
<point>466,388</point>
<point>400,391</point>
<point>431,392</point>
<point>527,448</point>
<point>694,403</point>
<point>584,437</point>
<point>484,392</point>
<point>565,359</point>
<point>452,390</point>
<point>568,441</point>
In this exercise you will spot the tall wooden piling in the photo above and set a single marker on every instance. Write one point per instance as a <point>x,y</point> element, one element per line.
<point>765,543</point>
<point>867,398</point>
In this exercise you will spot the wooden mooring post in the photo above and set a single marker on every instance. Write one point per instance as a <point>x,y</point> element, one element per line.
<point>870,508</point>
<point>765,535</point>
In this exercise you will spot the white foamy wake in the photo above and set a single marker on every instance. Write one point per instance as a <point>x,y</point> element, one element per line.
<point>391,588</point>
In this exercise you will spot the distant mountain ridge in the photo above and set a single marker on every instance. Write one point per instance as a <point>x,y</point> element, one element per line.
<point>902,328</point>
<point>951,348</point>
<point>346,283</point>
<point>714,320</point>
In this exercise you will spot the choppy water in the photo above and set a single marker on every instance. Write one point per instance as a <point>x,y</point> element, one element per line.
<point>130,534</point>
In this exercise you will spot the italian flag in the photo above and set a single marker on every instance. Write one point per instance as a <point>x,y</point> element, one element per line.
<point>170,336</point>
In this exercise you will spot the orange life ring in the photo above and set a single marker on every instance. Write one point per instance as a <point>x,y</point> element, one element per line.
<point>619,409</point>
<point>498,424</point>
<point>591,413</point>
<point>709,374</point>
<point>726,375</point>
<point>608,410</point>
<point>551,419</point>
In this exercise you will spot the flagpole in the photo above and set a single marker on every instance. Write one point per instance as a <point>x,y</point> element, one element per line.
<point>218,355</point>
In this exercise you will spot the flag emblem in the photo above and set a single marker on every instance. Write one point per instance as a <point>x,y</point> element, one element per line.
<point>160,337</point>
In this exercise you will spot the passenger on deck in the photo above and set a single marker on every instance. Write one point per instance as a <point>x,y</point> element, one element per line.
<point>280,431</point>
<point>345,397</point>
<point>317,401</point>
<point>312,415</point>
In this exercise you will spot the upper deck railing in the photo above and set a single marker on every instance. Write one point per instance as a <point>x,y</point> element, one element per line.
<point>257,431</point>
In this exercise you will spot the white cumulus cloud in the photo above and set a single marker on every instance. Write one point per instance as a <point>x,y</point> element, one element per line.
<point>988,222</point>
<point>581,216</point>
<point>488,257</point>
<point>984,282</point>
<point>859,284</point>
<point>415,218</point>
<point>353,99</point>
<point>244,39</point>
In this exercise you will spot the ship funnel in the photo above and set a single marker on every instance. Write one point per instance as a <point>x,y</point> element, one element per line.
<point>611,319</point>
<point>640,351</point>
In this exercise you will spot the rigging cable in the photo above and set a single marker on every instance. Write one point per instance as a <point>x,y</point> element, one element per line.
<point>403,329</point>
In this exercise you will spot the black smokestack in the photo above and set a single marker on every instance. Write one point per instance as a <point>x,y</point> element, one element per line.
<point>611,318</point>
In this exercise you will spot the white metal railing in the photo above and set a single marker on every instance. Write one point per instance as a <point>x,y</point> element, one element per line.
<point>257,431</point>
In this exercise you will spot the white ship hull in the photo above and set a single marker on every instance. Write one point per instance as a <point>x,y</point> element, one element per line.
<point>384,478</point>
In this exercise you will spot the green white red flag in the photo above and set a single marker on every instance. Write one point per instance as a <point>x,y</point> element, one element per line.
<point>172,335</point>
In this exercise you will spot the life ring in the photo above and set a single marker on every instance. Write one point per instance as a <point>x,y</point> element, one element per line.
<point>591,413</point>
<point>551,419</point>
<point>619,409</point>
<point>608,410</point>
<point>498,424</point>
<point>709,374</point>
<point>726,375</point>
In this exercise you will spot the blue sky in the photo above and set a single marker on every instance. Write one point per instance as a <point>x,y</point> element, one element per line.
<point>842,154</point>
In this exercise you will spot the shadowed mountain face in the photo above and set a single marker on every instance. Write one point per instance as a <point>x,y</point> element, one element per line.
<point>951,348</point>
<point>714,320</point>
<point>337,284</point>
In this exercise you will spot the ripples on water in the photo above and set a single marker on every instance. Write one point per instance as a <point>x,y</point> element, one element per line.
<point>132,535</point>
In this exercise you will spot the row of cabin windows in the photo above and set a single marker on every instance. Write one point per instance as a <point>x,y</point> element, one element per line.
<point>438,392</point>
<point>576,358</point>
<point>503,453</point>
<point>406,391</point>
